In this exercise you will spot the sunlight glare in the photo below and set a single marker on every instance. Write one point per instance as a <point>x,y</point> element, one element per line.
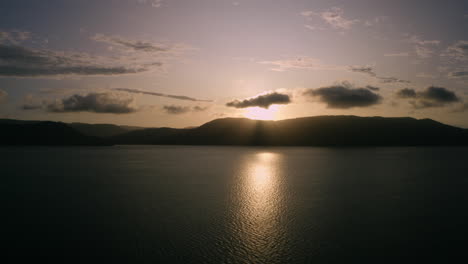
<point>259,113</point>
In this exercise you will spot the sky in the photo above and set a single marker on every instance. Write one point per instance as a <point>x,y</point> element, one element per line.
<point>180,63</point>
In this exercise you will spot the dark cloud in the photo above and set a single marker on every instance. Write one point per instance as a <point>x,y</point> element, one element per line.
<point>199,108</point>
<point>93,102</point>
<point>261,101</point>
<point>368,70</point>
<point>458,74</point>
<point>406,93</point>
<point>31,106</point>
<point>363,69</point>
<point>180,97</point>
<point>345,96</point>
<point>439,94</point>
<point>176,109</point>
<point>430,97</point>
<point>18,61</point>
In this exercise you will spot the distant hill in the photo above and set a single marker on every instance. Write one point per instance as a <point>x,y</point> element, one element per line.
<point>307,131</point>
<point>102,130</point>
<point>17,132</point>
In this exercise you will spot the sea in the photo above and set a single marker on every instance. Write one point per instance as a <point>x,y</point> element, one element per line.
<point>221,204</point>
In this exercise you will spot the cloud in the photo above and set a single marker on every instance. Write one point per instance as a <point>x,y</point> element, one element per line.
<point>132,45</point>
<point>377,20</point>
<point>345,96</point>
<point>373,88</point>
<point>424,52</point>
<point>458,74</point>
<point>363,69</point>
<point>18,61</point>
<point>27,106</point>
<point>368,70</point>
<point>14,36</point>
<point>93,102</point>
<point>461,108</point>
<point>299,63</point>
<point>401,54</point>
<point>30,102</point>
<point>423,48</point>
<point>177,110</point>
<point>3,96</point>
<point>430,97</point>
<point>179,97</point>
<point>154,3</point>
<point>417,40</point>
<point>406,93</point>
<point>334,17</point>
<point>391,80</point>
<point>264,100</point>
<point>457,51</point>
<point>439,94</point>
<point>426,75</point>
<point>198,108</point>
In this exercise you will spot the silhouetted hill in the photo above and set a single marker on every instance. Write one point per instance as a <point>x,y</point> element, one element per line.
<point>18,132</point>
<point>162,135</point>
<point>102,130</point>
<point>308,131</point>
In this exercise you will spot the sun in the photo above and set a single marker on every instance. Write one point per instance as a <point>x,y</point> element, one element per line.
<point>259,113</point>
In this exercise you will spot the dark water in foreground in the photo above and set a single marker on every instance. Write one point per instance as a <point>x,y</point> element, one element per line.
<point>176,204</point>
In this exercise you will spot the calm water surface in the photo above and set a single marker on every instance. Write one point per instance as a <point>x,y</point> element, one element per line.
<point>177,204</point>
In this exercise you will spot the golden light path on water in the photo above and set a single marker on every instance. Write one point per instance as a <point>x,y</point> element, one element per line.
<point>260,207</point>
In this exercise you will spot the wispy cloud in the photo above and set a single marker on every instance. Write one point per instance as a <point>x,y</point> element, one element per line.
<point>458,52</point>
<point>128,56</point>
<point>400,54</point>
<point>423,48</point>
<point>368,70</point>
<point>179,97</point>
<point>263,100</point>
<point>3,96</point>
<point>299,63</point>
<point>153,3</point>
<point>391,80</point>
<point>134,45</point>
<point>345,95</point>
<point>375,21</point>
<point>333,17</point>
<point>14,36</point>
<point>426,75</point>
<point>31,102</point>
<point>19,61</point>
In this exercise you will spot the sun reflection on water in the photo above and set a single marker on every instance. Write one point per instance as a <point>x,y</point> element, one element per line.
<point>260,205</point>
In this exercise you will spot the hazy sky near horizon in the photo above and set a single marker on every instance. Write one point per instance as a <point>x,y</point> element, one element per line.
<point>181,63</point>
